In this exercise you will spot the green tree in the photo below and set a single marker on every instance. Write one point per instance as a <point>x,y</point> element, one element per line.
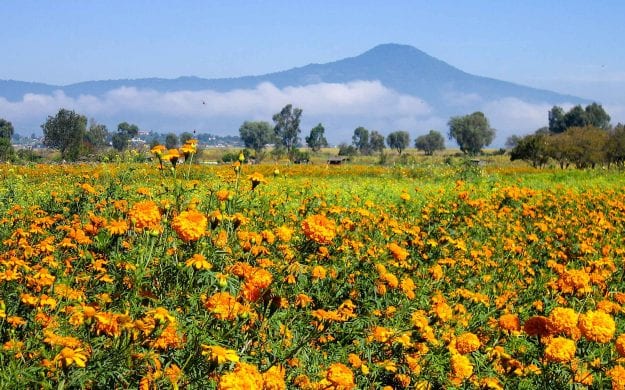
<point>430,142</point>
<point>287,129</point>
<point>471,132</point>
<point>556,120</point>
<point>575,117</point>
<point>585,147</point>
<point>171,141</point>
<point>65,131</point>
<point>7,152</point>
<point>316,140</point>
<point>6,129</point>
<point>597,117</point>
<point>125,132</point>
<point>95,138</point>
<point>376,142</point>
<point>398,140</point>
<point>185,136</point>
<point>533,148</point>
<point>615,148</point>
<point>256,135</point>
<point>360,140</point>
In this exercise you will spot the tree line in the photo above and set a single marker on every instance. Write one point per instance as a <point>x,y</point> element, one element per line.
<point>471,132</point>
<point>581,137</point>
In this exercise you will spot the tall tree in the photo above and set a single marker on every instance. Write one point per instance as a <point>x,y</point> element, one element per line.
<point>360,140</point>
<point>597,117</point>
<point>376,141</point>
<point>65,132</point>
<point>287,128</point>
<point>430,142</point>
<point>256,135</point>
<point>95,138</point>
<point>6,148</point>
<point>471,132</point>
<point>556,120</point>
<point>398,140</point>
<point>125,132</point>
<point>6,129</point>
<point>171,141</point>
<point>316,140</point>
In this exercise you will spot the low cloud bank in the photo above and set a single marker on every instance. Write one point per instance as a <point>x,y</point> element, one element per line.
<point>340,107</point>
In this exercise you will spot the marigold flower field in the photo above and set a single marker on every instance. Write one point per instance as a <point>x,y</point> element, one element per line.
<point>162,275</point>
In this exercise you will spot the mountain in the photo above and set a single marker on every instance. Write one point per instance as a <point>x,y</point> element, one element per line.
<point>402,69</point>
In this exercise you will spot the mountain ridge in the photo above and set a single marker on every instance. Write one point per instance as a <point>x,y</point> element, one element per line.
<point>404,68</point>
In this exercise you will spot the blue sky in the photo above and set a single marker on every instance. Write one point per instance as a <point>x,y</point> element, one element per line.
<point>571,47</point>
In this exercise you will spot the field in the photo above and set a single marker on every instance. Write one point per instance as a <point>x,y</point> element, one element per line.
<point>273,276</point>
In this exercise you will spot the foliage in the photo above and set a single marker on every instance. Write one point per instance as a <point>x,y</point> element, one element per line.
<point>65,131</point>
<point>96,137</point>
<point>317,140</point>
<point>360,140</point>
<point>256,135</point>
<point>430,142</point>
<point>471,132</point>
<point>582,146</point>
<point>171,141</point>
<point>398,140</point>
<point>6,129</point>
<point>125,132</point>
<point>347,150</point>
<point>287,128</point>
<point>593,115</point>
<point>533,148</point>
<point>376,142</point>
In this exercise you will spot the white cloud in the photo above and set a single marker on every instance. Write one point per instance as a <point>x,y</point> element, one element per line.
<point>340,107</point>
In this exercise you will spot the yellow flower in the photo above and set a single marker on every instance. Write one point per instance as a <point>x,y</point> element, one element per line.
<point>461,367</point>
<point>560,350</point>
<point>319,229</point>
<point>274,378</point>
<point>145,215</point>
<point>467,343</point>
<point>256,178</point>
<point>563,320</point>
<point>597,326</point>
<point>117,227</point>
<point>190,225</point>
<point>244,376</point>
<point>340,376</point>
<point>398,252</point>
<point>199,262</point>
<point>220,355</point>
<point>223,306</point>
<point>69,356</point>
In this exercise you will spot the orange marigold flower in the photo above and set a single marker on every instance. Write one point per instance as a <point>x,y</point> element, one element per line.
<point>536,326</point>
<point>461,367</point>
<point>158,150</point>
<point>467,343</point>
<point>145,215</point>
<point>274,378</point>
<point>244,376</point>
<point>319,229</point>
<point>340,376</point>
<point>563,320</point>
<point>620,345</point>
<point>284,233</point>
<point>617,374</point>
<point>223,306</point>
<point>398,252</point>
<point>256,178</point>
<point>190,225</point>
<point>117,227</point>
<point>597,326</point>
<point>510,322</point>
<point>560,350</point>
